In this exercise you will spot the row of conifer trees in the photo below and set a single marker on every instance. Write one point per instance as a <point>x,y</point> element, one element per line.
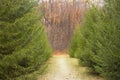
<point>23,43</point>
<point>97,42</point>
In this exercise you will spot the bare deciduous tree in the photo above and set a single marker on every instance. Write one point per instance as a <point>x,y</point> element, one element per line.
<point>61,17</point>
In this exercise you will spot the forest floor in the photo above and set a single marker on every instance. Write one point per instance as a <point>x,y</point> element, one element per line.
<point>62,67</point>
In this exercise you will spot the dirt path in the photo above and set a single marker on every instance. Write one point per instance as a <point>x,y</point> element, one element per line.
<point>62,67</point>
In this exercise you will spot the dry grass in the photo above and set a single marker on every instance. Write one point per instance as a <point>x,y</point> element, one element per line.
<point>62,67</point>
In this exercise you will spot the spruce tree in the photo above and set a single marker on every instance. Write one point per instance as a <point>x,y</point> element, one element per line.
<point>23,42</point>
<point>99,36</point>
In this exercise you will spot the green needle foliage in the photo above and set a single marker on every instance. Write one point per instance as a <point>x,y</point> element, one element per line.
<point>24,47</point>
<point>97,42</point>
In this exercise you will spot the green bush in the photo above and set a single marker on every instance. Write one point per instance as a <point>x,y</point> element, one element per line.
<point>99,36</point>
<point>24,46</point>
<point>74,46</point>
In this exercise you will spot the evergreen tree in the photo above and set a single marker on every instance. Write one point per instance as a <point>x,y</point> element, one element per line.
<point>99,36</point>
<point>23,42</point>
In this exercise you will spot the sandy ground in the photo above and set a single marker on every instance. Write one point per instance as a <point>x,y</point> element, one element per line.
<point>62,67</point>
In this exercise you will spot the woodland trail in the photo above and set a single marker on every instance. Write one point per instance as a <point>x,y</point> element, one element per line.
<point>62,67</point>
